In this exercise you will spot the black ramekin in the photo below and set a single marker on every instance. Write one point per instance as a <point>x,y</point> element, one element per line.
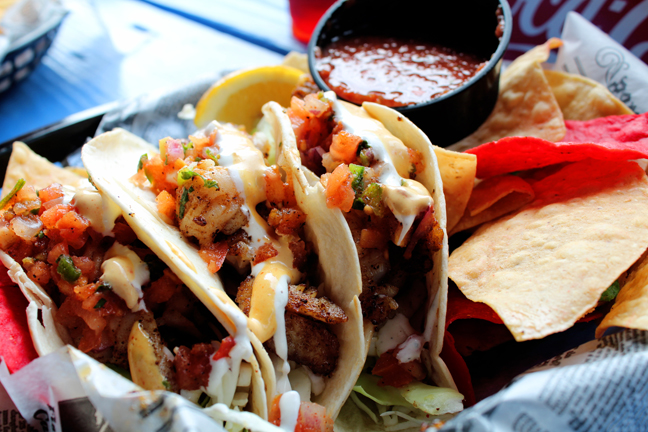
<point>465,25</point>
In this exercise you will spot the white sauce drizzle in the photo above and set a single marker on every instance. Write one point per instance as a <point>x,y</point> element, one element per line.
<point>395,188</point>
<point>393,333</point>
<point>126,273</point>
<point>279,338</point>
<point>224,376</point>
<point>245,165</point>
<point>100,210</point>
<point>289,408</point>
<point>410,349</point>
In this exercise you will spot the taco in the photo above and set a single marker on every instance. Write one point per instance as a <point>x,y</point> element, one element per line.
<point>91,283</point>
<point>376,169</point>
<point>237,228</point>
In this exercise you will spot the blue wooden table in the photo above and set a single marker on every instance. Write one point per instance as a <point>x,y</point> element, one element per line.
<point>111,50</point>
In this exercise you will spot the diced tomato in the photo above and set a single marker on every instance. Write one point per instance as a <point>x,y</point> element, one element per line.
<point>390,371</point>
<point>86,265</point>
<point>51,192</point>
<point>312,418</point>
<point>278,193</point>
<point>161,175</point>
<point>27,193</point>
<point>72,227</point>
<point>56,251</point>
<point>264,252</point>
<point>344,147</point>
<point>311,122</point>
<point>51,216</point>
<point>226,346</point>
<point>39,272</point>
<point>161,290</point>
<point>214,255</point>
<point>339,192</point>
<point>193,366</point>
<point>166,206</point>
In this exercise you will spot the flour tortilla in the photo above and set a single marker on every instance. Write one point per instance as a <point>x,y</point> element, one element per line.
<point>545,266</point>
<point>111,159</point>
<point>526,105</point>
<point>335,248</point>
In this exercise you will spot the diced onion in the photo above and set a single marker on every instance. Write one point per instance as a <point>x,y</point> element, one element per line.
<point>26,227</point>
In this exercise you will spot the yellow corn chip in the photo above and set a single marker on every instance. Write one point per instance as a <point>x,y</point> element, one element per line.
<point>581,98</point>
<point>526,105</point>
<point>546,265</point>
<point>36,170</point>
<point>493,198</point>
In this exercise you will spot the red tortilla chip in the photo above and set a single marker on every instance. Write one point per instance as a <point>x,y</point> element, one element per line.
<point>459,307</point>
<point>610,130</point>
<point>614,138</point>
<point>16,347</point>
<point>458,369</point>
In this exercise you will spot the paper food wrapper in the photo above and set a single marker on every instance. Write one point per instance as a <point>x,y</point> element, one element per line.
<point>599,386</point>
<point>589,52</point>
<point>69,391</point>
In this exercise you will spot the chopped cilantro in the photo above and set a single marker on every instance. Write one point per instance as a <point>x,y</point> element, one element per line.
<point>166,385</point>
<point>35,211</point>
<point>610,293</point>
<point>40,234</point>
<point>186,174</point>
<point>188,146</point>
<point>100,303</point>
<point>183,201</point>
<point>212,156</point>
<point>104,286</point>
<point>362,146</point>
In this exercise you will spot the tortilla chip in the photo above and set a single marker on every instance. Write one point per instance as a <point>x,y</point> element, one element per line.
<point>631,307</point>
<point>458,174</point>
<point>526,105</point>
<point>36,170</point>
<point>581,98</point>
<point>493,198</point>
<point>545,266</point>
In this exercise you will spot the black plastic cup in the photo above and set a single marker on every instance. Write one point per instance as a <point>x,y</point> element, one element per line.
<point>466,26</point>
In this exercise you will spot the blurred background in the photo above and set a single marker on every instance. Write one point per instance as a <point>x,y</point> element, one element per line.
<point>106,51</point>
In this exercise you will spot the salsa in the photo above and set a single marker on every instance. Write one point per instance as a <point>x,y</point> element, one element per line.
<point>393,72</point>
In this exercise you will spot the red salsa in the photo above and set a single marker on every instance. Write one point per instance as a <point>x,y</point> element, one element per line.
<point>393,72</point>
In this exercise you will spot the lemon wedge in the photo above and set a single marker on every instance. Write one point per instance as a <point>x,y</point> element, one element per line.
<point>238,97</point>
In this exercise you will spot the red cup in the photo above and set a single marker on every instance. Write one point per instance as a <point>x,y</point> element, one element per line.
<point>305,15</point>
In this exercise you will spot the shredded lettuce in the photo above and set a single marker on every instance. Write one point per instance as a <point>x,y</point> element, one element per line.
<point>367,385</point>
<point>415,396</point>
<point>432,400</point>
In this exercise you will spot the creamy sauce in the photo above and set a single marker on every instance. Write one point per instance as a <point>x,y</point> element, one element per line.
<point>101,211</point>
<point>226,372</point>
<point>279,338</point>
<point>245,164</point>
<point>405,198</point>
<point>393,333</point>
<point>126,273</point>
<point>289,409</point>
<point>410,349</point>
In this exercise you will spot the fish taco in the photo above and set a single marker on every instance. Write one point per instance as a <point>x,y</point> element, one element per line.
<point>378,171</point>
<point>243,232</point>
<point>92,282</point>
